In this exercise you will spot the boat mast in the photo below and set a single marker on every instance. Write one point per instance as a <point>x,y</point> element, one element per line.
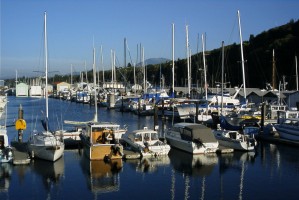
<point>273,71</point>
<point>114,68</point>
<point>71,74</point>
<point>135,80</point>
<point>222,76</point>
<point>94,86</point>
<point>102,60</point>
<point>204,65</point>
<point>296,73</point>
<point>125,52</point>
<point>46,66</point>
<point>16,77</point>
<point>173,59</point>
<point>85,72</point>
<point>242,56</point>
<point>144,71</point>
<point>188,64</point>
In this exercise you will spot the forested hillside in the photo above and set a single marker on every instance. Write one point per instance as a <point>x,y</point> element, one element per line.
<point>258,56</point>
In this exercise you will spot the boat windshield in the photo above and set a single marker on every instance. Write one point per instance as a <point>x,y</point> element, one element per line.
<point>154,136</point>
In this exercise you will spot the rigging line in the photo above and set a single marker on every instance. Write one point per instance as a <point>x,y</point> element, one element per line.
<point>129,53</point>
<point>232,31</point>
<point>118,69</point>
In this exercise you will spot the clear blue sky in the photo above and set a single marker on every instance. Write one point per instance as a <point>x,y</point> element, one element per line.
<point>75,25</point>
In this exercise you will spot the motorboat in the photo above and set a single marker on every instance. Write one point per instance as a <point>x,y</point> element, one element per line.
<point>99,141</point>
<point>288,129</point>
<point>146,142</point>
<point>235,139</point>
<point>192,138</point>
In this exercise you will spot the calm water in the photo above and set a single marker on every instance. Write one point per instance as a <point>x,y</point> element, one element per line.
<point>272,172</point>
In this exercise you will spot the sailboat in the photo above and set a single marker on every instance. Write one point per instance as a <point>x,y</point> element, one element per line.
<point>236,122</point>
<point>45,145</point>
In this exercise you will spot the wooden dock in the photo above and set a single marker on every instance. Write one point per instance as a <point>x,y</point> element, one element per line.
<point>21,156</point>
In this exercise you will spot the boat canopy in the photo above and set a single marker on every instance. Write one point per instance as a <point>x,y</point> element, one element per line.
<point>199,132</point>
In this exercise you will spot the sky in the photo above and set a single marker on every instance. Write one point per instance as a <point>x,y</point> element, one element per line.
<point>75,27</point>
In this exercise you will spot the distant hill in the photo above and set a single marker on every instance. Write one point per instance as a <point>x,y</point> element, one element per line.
<point>154,61</point>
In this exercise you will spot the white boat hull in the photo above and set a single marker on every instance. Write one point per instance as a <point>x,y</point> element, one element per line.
<point>45,146</point>
<point>235,144</point>
<point>153,150</point>
<point>240,142</point>
<point>192,138</point>
<point>192,147</point>
<point>146,142</point>
<point>50,153</point>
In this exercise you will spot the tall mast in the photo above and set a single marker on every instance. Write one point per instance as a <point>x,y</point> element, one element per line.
<point>112,76</point>
<point>173,60</point>
<point>94,86</point>
<point>71,74</point>
<point>296,65</point>
<point>188,64</point>
<point>102,63</point>
<point>222,76</point>
<point>98,70</point>
<point>16,77</point>
<point>204,65</point>
<point>144,71</point>
<point>85,72</point>
<point>135,80</point>
<point>273,70</point>
<point>125,52</point>
<point>114,66</point>
<point>242,56</point>
<point>46,66</point>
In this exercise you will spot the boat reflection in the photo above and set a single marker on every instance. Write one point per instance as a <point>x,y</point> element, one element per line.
<point>149,164</point>
<point>235,160</point>
<point>101,176</point>
<point>193,165</point>
<point>51,172</point>
<point>5,176</point>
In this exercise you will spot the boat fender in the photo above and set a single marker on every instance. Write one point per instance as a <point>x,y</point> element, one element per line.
<point>107,158</point>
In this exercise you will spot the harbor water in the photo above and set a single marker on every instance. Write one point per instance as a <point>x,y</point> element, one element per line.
<point>271,172</point>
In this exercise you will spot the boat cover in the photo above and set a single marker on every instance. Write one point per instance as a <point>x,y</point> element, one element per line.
<point>199,132</point>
